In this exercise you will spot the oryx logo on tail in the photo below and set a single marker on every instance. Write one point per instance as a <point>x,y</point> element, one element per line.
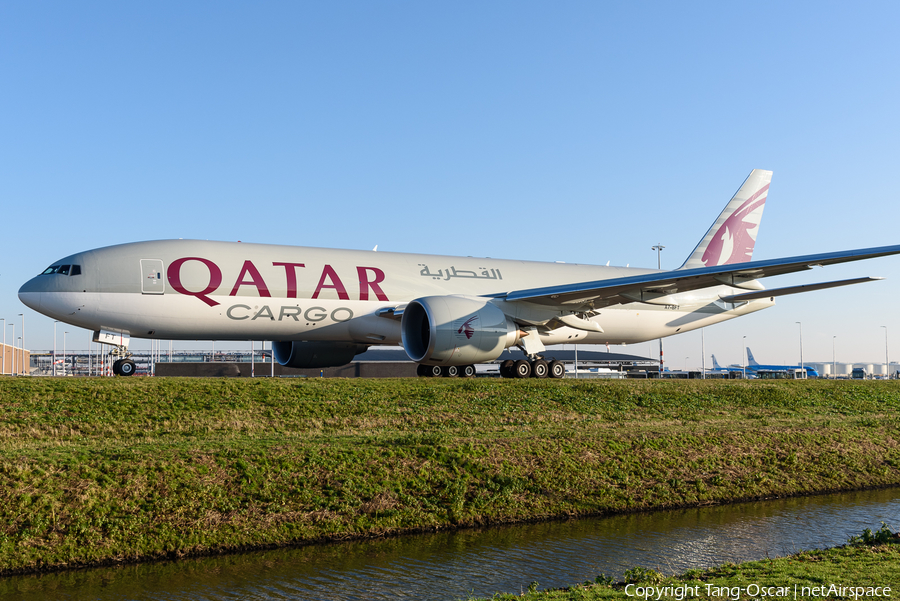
<point>732,236</point>
<point>733,242</point>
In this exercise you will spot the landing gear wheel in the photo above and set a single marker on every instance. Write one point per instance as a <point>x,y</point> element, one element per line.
<point>428,371</point>
<point>557,369</point>
<point>127,367</point>
<point>116,367</point>
<point>467,371</point>
<point>539,369</point>
<point>522,369</point>
<point>506,369</point>
<point>451,371</point>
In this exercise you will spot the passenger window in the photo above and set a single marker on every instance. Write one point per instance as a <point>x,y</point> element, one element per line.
<point>64,270</point>
<point>51,269</point>
<point>76,270</point>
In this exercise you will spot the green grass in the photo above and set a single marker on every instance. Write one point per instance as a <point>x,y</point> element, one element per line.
<point>859,570</point>
<point>100,471</point>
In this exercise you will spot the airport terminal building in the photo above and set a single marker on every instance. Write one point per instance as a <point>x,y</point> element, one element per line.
<point>14,360</point>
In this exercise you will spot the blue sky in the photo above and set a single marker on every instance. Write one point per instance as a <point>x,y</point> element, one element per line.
<point>577,131</point>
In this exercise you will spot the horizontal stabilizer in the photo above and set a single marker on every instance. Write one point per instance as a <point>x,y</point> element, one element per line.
<point>748,296</point>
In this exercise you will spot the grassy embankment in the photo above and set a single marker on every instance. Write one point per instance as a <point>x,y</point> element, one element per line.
<point>96,471</point>
<point>862,570</point>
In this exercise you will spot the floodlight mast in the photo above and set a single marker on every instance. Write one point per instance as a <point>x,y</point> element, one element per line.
<point>658,248</point>
<point>744,356</point>
<point>833,368</point>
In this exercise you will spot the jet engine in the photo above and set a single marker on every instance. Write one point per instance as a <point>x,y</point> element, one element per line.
<point>304,353</point>
<point>455,330</point>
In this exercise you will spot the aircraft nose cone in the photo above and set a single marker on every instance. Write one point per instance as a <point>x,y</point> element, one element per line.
<point>30,294</point>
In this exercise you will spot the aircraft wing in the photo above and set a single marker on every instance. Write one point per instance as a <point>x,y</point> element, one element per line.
<point>656,285</point>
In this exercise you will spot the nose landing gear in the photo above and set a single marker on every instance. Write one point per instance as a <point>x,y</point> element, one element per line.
<point>124,367</point>
<point>122,364</point>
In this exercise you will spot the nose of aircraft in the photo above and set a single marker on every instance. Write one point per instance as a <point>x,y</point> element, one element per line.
<point>30,293</point>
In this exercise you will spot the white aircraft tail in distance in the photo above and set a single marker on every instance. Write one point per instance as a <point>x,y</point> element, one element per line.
<point>321,307</point>
<point>717,367</point>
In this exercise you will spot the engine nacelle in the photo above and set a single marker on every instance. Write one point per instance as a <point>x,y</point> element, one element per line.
<point>455,330</point>
<point>306,353</point>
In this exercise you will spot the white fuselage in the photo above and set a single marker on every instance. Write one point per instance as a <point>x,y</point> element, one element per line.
<point>187,289</point>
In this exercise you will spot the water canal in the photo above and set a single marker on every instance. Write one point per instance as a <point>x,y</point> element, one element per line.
<point>448,566</point>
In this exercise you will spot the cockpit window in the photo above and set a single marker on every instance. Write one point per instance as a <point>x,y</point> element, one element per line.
<point>63,270</point>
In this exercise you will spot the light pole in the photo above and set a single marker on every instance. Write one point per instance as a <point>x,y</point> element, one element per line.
<point>833,364</point>
<point>702,355</point>
<point>801,344</point>
<point>15,355</point>
<point>22,360</point>
<point>685,363</point>
<point>887,364</point>
<point>658,248</point>
<point>64,353</point>
<point>743,357</point>
<point>54,346</point>
<point>25,369</point>
<point>3,369</point>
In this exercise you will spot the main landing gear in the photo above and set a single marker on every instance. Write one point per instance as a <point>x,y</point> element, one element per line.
<point>450,371</point>
<point>538,368</point>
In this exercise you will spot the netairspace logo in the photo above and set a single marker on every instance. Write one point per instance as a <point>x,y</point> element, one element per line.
<point>755,591</point>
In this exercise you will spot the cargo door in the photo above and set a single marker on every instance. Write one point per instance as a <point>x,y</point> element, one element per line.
<point>151,276</point>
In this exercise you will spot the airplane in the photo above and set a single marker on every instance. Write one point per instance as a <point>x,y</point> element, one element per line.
<point>729,368</point>
<point>754,365</point>
<point>321,307</point>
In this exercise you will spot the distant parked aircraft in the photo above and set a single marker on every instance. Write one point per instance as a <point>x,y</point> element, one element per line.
<point>321,307</point>
<point>754,365</point>
<point>717,367</point>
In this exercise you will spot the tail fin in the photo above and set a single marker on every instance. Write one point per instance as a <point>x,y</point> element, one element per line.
<point>716,363</point>
<point>733,235</point>
<point>750,359</point>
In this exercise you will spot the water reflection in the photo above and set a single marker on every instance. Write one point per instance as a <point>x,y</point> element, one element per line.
<point>481,562</point>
